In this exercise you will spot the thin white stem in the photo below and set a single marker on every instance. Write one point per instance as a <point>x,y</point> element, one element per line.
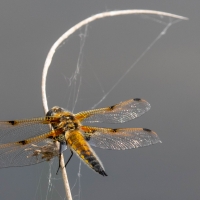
<point>64,37</point>
<point>65,178</point>
<point>82,23</point>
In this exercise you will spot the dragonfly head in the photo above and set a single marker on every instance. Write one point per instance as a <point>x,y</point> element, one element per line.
<point>55,111</point>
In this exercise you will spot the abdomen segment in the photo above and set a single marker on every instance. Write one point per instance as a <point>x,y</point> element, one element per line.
<point>77,143</point>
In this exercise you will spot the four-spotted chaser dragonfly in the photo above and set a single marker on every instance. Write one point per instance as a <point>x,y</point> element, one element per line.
<point>31,141</point>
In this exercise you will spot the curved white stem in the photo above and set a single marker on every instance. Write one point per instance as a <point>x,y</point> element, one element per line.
<point>64,37</point>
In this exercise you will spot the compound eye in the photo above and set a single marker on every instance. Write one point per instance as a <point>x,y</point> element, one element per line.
<point>56,109</point>
<point>53,111</point>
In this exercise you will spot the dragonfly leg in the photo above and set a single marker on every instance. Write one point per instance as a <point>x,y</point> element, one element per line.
<point>59,164</point>
<point>66,162</point>
<point>69,158</point>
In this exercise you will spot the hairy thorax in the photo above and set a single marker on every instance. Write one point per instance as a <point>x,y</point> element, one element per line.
<point>64,120</point>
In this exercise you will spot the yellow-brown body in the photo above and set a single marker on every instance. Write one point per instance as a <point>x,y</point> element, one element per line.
<point>78,144</point>
<point>74,139</point>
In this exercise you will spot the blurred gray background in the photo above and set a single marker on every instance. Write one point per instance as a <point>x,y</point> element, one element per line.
<point>167,77</point>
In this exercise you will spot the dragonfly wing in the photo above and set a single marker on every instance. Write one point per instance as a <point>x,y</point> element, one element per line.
<point>28,152</point>
<point>118,113</point>
<point>119,139</point>
<point>11,131</point>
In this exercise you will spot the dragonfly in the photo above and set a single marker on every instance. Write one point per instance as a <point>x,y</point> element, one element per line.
<point>31,141</point>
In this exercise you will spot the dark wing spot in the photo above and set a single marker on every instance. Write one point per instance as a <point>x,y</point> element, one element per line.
<point>48,118</point>
<point>12,122</point>
<point>137,99</point>
<point>112,107</point>
<point>87,137</point>
<point>114,129</point>
<point>92,130</point>
<point>89,134</point>
<point>23,142</point>
<point>146,129</point>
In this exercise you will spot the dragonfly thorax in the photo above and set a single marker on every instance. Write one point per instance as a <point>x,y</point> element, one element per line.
<point>65,119</point>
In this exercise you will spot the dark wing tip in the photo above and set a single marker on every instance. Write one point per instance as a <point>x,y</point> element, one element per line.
<point>146,105</point>
<point>155,138</point>
<point>148,130</point>
<point>13,122</point>
<point>23,142</point>
<point>137,99</point>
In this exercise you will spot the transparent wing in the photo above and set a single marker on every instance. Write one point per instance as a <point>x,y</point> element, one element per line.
<point>28,152</point>
<point>119,139</point>
<point>11,131</point>
<point>118,113</point>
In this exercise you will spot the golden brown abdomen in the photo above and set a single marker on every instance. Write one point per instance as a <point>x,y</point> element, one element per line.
<point>78,144</point>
